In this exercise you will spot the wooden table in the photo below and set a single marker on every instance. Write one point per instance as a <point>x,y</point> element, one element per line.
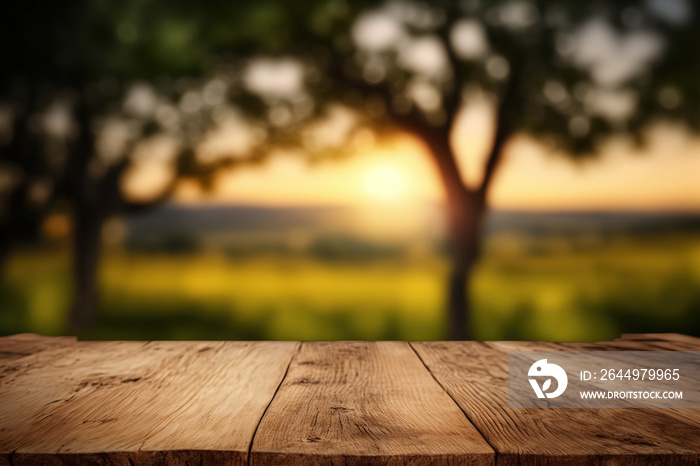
<point>64,401</point>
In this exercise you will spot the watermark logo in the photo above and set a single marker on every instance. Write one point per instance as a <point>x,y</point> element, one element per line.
<point>603,379</point>
<point>542,368</point>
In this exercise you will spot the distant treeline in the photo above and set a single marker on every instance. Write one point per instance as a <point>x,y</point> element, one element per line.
<point>330,248</point>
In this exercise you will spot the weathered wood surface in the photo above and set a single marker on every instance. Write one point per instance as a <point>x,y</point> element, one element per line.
<point>25,344</point>
<point>689,343</point>
<point>475,375</point>
<point>362,403</point>
<point>157,402</point>
<point>665,337</point>
<point>312,403</point>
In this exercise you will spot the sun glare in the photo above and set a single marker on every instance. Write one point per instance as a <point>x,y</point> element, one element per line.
<point>385,183</point>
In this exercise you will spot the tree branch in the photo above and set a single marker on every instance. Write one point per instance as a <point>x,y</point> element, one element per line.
<point>132,207</point>
<point>452,99</point>
<point>505,127</point>
<point>411,121</point>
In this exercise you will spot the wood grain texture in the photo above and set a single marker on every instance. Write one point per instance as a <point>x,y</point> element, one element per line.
<point>475,375</point>
<point>667,337</point>
<point>68,402</point>
<point>686,415</point>
<point>141,403</point>
<point>664,341</point>
<point>24,344</point>
<point>364,403</point>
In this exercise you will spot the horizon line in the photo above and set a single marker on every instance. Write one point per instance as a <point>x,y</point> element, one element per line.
<point>527,210</point>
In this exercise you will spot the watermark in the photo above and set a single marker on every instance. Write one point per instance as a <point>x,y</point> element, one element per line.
<point>604,379</point>
<point>543,368</point>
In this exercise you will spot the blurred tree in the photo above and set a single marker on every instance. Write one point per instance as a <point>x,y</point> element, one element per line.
<point>22,198</point>
<point>94,94</point>
<point>568,73</point>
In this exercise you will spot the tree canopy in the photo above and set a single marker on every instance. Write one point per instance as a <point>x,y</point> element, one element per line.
<point>568,74</point>
<point>571,73</point>
<point>92,92</point>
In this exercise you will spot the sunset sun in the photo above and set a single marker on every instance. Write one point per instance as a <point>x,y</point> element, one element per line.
<point>385,183</point>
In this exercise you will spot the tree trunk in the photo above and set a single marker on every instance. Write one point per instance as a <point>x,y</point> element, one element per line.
<point>458,302</point>
<point>87,231</point>
<point>5,244</point>
<point>465,219</point>
<point>464,211</point>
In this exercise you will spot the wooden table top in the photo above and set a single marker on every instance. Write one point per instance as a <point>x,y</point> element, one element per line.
<point>291,403</point>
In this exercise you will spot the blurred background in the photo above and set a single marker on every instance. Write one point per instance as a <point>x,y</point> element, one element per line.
<point>488,169</point>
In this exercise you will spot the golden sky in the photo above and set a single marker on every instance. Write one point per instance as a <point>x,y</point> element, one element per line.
<point>664,176</point>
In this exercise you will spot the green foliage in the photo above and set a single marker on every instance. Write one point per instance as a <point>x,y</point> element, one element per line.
<point>527,287</point>
<point>73,44</point>
<point>345,248</point>
<point>72,69</point>
<point>535,64</point>
<point>174,244</point>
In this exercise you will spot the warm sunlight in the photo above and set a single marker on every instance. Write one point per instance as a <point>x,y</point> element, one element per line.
<point>397,172</point>
<point>385,183</point>
<point>401,172</point>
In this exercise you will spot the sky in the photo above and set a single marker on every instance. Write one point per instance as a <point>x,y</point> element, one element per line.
<point>662,176</point>
<point>665,175</point>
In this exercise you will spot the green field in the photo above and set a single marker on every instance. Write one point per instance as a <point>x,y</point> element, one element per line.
<point>525,288</point>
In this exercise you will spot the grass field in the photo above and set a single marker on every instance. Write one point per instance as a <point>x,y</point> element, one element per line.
<point>525,288</point>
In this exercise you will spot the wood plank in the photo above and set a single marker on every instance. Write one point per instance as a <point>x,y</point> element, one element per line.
<point>24,344</point>
<point>144,403</point>
<point>668,337</point>
<point>687,415</point>
<point>576,346</point>
<point>476,376</point>
<point>25,393</point>
<point>364,403</point>
<point>662,345</point>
